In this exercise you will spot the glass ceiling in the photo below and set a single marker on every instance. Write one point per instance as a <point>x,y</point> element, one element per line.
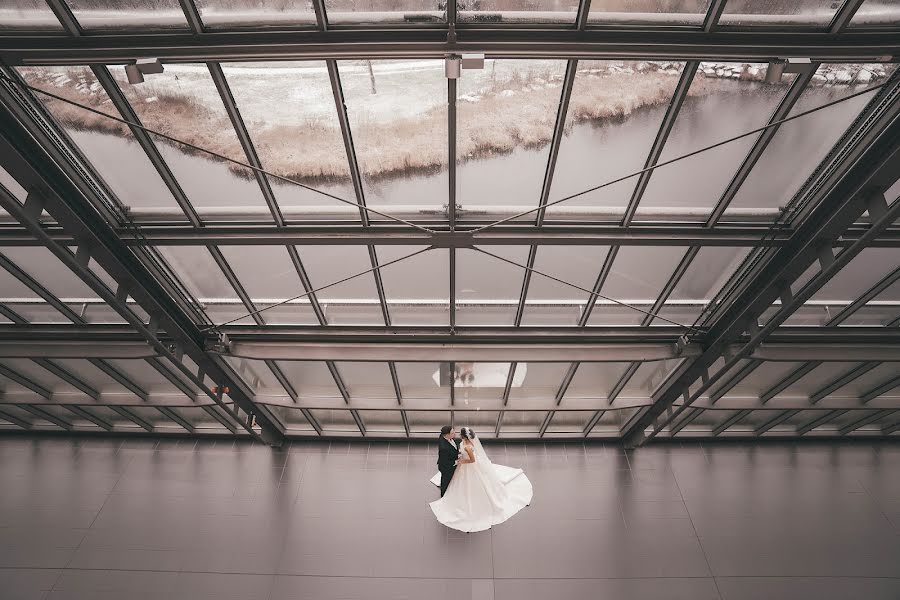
<point>384,145</point>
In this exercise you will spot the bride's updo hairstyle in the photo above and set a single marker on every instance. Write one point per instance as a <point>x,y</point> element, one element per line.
<point>467,433</point>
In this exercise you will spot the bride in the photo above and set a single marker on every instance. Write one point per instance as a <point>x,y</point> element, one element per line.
<point>480,493</point>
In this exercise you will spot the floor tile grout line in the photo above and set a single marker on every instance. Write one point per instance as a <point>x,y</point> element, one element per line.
<point>696,535</point>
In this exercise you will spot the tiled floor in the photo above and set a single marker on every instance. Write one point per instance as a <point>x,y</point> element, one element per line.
<point>141,519</point>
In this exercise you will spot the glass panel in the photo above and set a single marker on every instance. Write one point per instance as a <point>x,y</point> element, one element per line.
<point>850,417</point>
<point>277,282</point>
<point>27,14</point>
<point>866,382</point>
<point>37,375</point>
<point>707,274</point>
<point>881,310</point>
<point>610,424</point>
<point>398,119</point>
<point>483,381</point>
<point>552,303</point>
<point>637,277</point>
<point>356,300</point>
<point>293,418</point>
<point>505,118</point>
<point>418,288</point>
<point>816,379</point>
<point>427,421</point>
<point>311,379</point>
<point>647,378</point>
<point>108,145</point>
<point>521,421</point>
<point>385,11</point>
<point>569,421</point>
<point>594,380</point>
<point>521,11</point>
<point>876,13</point>
<point>220,14</point>
<point>651,12</point>
<point>197,270</point>
<point>482,422</point>
<point>779,12</point>
<point>337,421</point>
<point>800,145</point>
<point>724,100</point>
<point>417,380</point>
<point>614,116</point>
<point>183,102</point>
<point>297,137</point>
<point>860,274</point>
<point>49,271</point>
<point>258,376</point>
<point>367,380</point>
<point>541,381</point>
<point>387,421</point>
<point>145,376</point>
<point>487,289</point>
<point>138,14</point>
<point>762,379</point>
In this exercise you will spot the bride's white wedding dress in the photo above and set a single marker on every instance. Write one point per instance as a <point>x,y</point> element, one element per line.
<point>481,494</point>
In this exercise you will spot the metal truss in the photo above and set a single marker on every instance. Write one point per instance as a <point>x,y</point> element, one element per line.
<point>650,43</point>
<point>25,156</point>
<point>583,234</point>
<point>84,213</point>
<point>853,183</point>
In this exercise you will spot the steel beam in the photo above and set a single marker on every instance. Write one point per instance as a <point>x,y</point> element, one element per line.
<point>730,421</point>
<point>213,411</point>
<point>47,416</point>
<point>691,415</point>
<point>340,105</point>
<point>597,233</point>
<point>819,421</point>
<point>172,378</point>
<point>36,287</point>
<point>889,429</point>
<point>176,417</point>
<point>789,380</point>
<point>19,422</point>
<point>881,389</point>
<point>854,425</point>
<point>762,142</point>
<point>25,382</point>
<point>857,177</point>
<point>711,20</point>
<point>662,136</point>
<point>735,379</point>
<point>844,15</point>
<point>89,416</point>
<point>67,377</point>
<point>130,415</point>
<point>120,378</point>
<point>841,381</point>
<point>27,156</point>
<point>111,87</point>
<point>824,344</point>
<point>66,18</point>
<point>631,44</point>
<point>779,418</point>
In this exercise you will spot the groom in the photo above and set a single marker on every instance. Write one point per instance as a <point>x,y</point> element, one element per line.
<point>448,455</point>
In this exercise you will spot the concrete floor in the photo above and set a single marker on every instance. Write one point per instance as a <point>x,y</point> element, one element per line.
<point>145,519</point>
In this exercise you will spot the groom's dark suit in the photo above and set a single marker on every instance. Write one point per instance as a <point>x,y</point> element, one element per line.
<point>447,454</point>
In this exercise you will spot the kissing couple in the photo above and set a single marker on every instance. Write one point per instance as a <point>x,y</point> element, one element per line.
<point>475,493</point>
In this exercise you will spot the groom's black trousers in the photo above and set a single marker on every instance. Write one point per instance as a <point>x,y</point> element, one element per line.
<point>446,476</point>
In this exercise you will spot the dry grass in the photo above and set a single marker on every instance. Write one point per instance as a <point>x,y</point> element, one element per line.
<point>513,113</point>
